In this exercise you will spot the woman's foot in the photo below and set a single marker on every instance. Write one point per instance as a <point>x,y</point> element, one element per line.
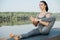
<point>11,35</point>
<point>14,36</point>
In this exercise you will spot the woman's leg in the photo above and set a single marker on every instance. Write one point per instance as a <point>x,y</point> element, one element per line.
<point>26,35</point>
<point>48,28</point>
<point>31,33</point>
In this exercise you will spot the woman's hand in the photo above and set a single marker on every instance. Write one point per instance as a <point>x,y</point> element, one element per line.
<point>31,18</point>
<point>34,20</point>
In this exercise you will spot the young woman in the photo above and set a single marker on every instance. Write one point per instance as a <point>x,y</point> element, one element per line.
<point>43,21</point>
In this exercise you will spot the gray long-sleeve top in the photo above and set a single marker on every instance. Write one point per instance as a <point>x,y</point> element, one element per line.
<point>43,29</point>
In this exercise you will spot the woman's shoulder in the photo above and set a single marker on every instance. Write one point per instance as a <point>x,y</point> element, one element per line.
<point>48,14</point>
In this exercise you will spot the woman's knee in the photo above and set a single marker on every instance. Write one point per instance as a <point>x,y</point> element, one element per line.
<point>45,30</point>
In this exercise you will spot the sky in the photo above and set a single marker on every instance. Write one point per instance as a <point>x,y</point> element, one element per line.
<point>28,6</point>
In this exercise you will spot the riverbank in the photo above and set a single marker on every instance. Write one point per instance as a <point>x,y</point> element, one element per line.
<point>20,18</point>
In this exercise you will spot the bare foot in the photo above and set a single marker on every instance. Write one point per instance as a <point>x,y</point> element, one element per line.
<point>14,36</point>
<point>3,38</point>
<point>11,35</point>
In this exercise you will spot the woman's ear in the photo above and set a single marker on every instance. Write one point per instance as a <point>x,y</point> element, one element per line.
<point>45,6</point>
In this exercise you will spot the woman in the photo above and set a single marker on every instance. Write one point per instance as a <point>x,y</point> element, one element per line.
<point>43,21</point>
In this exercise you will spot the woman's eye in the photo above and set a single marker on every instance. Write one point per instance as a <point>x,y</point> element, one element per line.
<point>41,4</point>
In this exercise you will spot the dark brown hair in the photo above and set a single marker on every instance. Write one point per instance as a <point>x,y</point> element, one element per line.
<point>45,4</point>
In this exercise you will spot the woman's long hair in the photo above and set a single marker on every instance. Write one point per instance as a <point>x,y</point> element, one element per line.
<point>45,4</point>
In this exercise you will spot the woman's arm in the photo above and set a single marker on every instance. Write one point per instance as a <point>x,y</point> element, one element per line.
<point>44,22</point>
<point>33,21</point>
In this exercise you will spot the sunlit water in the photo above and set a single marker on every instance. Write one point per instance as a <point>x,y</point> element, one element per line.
<point>20,29</point>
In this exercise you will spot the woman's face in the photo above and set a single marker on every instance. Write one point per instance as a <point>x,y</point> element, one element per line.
<point>42,6</point>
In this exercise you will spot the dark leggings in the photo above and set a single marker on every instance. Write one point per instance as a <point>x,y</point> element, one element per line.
<point>31,33</point>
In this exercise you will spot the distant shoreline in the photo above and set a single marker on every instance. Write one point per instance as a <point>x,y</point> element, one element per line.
<point>20,18</point>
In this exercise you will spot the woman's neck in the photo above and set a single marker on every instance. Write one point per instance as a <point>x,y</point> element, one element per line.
<point>43,11</point>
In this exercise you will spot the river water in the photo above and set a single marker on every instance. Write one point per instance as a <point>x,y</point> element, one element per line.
<point>20,29</point>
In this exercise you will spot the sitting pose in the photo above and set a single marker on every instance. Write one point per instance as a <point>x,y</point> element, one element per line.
<point>44,22</point>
